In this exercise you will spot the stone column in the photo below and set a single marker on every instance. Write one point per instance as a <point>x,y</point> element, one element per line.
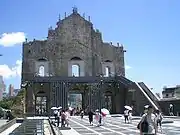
<point>30,100</point>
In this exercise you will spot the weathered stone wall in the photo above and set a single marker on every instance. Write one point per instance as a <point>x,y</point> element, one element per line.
<point>165,106</point>
<point>73,37</point>
<point>137,100</point>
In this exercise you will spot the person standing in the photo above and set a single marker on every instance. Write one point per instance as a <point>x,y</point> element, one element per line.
<point>55,114</point>
<point>171,110</point>
<point>90,116</point>
<point>159,119</point>
<point>148,123</point>
<point>130,116</point>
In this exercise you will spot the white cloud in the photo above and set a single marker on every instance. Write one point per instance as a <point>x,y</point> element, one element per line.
<point>11,39</point>
<point>8,72</point>
<point>127,67</point>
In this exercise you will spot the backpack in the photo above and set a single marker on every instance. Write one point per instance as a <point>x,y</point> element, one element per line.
<point>159,117</point>
<point>144,125</point>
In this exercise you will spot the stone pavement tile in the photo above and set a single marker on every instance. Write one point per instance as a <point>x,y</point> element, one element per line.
<point>109,133</point>
<point>84,132</point>
<point>89,134</point>
<point>69,132</point>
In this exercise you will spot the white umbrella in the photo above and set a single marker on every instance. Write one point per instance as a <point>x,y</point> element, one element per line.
<point>70,108</point>
<point>146,106</point>
<point>128,107</point>
<point>105,111</point>
<point>97,110</point>
<point>59,107</point>
<point>54,108</point>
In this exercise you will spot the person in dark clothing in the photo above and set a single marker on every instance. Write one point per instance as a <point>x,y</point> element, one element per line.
<point>90,114</point>
<point>82,114</point>
<point>58,117</point>
<point>63,118</point>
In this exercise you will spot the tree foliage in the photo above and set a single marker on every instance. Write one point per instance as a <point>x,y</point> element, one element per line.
<point>15,104</point>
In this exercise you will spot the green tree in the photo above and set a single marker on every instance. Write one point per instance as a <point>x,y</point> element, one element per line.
<point>1,112</point>
<point>15,104</point>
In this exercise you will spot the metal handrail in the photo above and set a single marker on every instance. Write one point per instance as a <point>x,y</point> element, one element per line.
<point>51,126</point>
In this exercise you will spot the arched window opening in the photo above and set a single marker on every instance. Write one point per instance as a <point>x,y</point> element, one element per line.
<point>108,61</point>
<point>76,58</point>
<point>42,59</point>
<point>107,71</point>
<point>41,71</point>
<point>75,70</point>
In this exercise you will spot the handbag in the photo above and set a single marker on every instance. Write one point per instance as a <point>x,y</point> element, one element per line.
<point>144,125</point>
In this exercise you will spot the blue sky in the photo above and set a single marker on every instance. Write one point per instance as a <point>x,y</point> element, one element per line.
<point>149,30</point>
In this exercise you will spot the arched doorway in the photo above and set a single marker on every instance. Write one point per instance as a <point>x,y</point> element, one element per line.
<point>108,100</point>
<point>40,104</point>
<point>75,99</point>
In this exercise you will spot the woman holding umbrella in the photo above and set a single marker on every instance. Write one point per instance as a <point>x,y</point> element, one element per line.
<point>126,113</point>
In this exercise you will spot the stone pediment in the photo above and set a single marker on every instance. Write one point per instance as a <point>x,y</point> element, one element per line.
<point>76,18</point>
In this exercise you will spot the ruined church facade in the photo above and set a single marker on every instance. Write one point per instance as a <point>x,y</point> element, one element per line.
<point>73,42</point>
<point>47,67</point>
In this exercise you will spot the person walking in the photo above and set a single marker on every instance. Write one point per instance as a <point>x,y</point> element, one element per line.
<point>63,118</point>
<point>58,117</point>
<point>67,115</point>
<point>103,118</point>
<point>126,115</point>
<point>159,118</point>
<point>90,116</point>
<point>147,125</point>
<point>82,114</point>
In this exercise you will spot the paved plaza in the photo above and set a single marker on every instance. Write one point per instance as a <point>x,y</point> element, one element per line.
<point>2,122</point>
<point>116,126</point>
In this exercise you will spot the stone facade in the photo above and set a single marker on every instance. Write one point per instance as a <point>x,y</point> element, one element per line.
<point>73,42</point>
<point>166,103</point>
<point>74,37</point>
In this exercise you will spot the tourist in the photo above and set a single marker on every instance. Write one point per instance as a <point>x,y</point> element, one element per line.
<point>126,115</point>
<point>90,115</point>
<point>55,114</point>
<point>58,117</point>
<point>63,118</point>
<point>67,116</point>
<point>103,118</point>
<point>97,117</point>
<point>171,110</point>
<point>130,116</point>
<point>147,124</point>
<point>82,114</point>
<point>159,119</point>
